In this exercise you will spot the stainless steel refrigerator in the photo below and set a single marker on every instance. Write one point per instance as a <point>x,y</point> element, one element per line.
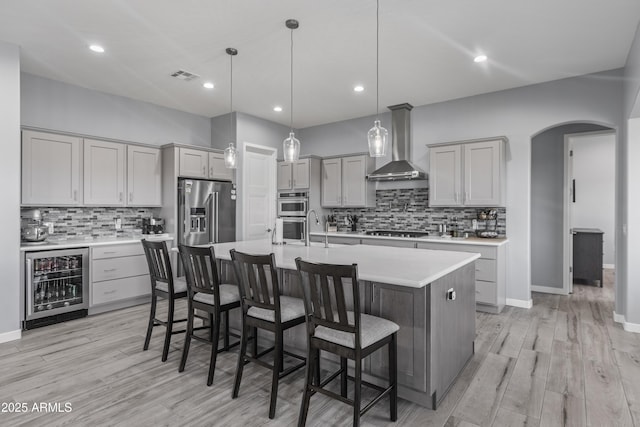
<point>206,212</point>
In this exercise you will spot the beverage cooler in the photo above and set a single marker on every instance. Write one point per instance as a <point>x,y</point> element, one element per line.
<point>57,286</point>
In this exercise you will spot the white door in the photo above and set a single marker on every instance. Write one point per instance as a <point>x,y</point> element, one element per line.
<point>258,189</point>
<point>567,281</point>
<point>104,173</point>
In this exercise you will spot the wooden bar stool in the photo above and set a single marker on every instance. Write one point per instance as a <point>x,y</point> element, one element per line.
<point>163,285</point>
<point>348,334</point>
<point>205,293</point>
<point>263,307</point>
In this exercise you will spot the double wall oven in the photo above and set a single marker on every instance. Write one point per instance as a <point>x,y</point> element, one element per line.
<point>293,208</point>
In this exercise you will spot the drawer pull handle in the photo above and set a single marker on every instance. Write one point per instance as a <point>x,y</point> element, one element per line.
<point>110,269</point>
<point>109,252</point>
<point>110,292</point>
<point>477,291</point>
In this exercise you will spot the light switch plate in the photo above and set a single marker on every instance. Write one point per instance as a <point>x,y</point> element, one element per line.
<point>118,223</point>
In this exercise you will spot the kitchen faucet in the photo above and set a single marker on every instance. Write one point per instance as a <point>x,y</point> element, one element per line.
<point>306,233</point>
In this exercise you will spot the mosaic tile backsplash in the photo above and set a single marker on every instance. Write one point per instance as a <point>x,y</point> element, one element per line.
<point>95,222</point>
<point>408,209</point>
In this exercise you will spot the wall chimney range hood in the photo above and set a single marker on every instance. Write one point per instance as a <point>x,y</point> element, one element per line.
<point>400,168</point>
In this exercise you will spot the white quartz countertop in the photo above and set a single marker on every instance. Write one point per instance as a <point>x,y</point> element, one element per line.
<point>87,242</point>
<point>431,239</point>
<point>414,268</point>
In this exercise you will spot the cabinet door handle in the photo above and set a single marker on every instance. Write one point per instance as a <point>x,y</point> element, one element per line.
<point>120,197</point>
<point>456,197</point>
<point>131,197</point>
<point>294,183</point>
<point>210,172</point>
<point>289,183</point>
<point>75,195</point>
<point>204,170</point>
<point>466,196</point>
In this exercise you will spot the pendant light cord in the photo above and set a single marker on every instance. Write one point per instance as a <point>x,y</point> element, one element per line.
<point>377,58</point>
<point>291,89</point>
<point>231,101</point>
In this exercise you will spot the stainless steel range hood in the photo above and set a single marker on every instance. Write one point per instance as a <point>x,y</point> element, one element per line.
<point>400,168</point>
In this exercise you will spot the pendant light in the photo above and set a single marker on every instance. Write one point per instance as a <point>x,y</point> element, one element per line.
<point>377,135</point>
<point>230,154</point>
<point>291,146</point>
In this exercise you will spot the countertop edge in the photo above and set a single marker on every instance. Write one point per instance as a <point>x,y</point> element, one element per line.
<point>86,243</point>
<point>471,241</point>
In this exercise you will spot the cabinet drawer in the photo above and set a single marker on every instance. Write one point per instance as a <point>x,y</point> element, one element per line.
<point>117,268</point>
<point>487,252</point>
<point>114,251</point>
<point>486,270</point>
<point>115,290</point>
<point>486,292</point>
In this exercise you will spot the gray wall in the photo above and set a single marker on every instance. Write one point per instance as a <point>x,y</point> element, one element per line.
<point>53,105</point>
<point>223,130</point>
<point>547,203</point>
<point>10,212</point>
<point>519,114</point>
<point>262,132</point>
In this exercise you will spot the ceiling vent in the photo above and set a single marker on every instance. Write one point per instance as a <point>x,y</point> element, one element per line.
<point>185,75</point>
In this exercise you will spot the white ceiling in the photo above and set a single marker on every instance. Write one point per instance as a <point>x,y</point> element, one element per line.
<point>426,49</point>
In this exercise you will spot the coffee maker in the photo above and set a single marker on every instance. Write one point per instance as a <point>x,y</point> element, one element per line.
<point>152,225</point>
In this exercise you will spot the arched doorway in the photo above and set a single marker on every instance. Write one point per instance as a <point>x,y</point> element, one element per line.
<point>550,240</point>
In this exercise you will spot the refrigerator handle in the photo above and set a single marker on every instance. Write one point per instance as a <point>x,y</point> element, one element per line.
<point>29,290</point>
<point>217,213</point>
<point>209,217</point>
<point>186,229</point>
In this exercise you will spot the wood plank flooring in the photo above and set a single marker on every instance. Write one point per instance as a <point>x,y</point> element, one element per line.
<point>563,362</point>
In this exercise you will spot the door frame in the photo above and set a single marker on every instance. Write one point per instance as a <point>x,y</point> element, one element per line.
<point>567,228</point>
<point>273,183</point>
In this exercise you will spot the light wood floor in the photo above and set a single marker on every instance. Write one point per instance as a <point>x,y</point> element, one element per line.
<point>564,362</point>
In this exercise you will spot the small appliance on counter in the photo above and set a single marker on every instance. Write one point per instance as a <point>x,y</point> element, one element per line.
<point>152,226</point>
<point>33,231</point>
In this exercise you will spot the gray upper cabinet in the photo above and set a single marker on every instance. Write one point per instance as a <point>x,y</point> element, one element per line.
<point>104,173</point>
<point>194,163</point>
<point>468,173</point>
<point>217,168</point>
<point>294,175</point>
<point>344,182</point>
<point>144,176</point>
<point>51,168</point>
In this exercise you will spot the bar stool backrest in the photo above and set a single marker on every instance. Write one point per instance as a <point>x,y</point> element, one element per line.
<point>159,264</point>
<point>201,271</point>
<point>325,287</point>
<point>257,281</point>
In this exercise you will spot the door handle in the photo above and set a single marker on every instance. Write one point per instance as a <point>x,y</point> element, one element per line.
<point>120,197</point>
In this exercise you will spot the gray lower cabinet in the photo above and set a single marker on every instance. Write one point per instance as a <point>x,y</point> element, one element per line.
<point>387,242</point>
<point>338,240</point>
<point>491,275</point>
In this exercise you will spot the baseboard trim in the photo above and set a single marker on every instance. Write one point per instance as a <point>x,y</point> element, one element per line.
<point>627,326</point>
<point>548,290</point>
<point>519,303</point>
<point>10,336</point>
<point>608,266</point>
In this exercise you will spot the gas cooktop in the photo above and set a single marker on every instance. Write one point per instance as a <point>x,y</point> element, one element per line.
<point>397,233</point>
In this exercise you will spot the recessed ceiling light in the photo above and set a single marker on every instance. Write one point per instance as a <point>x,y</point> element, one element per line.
<point>480,58</point>
<point>358,88</point>
<point>277,109</point>
<point>96,48</point>
<point>208,85</point>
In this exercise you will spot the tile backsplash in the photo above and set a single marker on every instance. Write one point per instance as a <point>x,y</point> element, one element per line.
<point>408,209</point>
<point>96,222</point>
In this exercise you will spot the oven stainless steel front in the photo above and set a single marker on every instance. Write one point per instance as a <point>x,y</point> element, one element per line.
<point>294,227</point>
<point>293,204</point>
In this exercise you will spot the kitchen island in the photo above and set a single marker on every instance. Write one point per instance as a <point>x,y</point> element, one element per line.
<point>429,294</point>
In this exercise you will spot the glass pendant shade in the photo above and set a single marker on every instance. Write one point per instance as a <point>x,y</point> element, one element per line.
<point>230,156</point>
<point>377,137</point>
<point>291,148</point>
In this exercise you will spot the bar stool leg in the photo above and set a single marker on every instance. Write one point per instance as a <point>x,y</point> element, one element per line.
<point>343,377</point>
<point>214,349</point>
<point>152,316</point>
<point>306,396</point>
<point>187,339</point>
<point>226,330</point>
<point>255,342</point>
<point>167,337</point>
<point>277,360</point>
<point>357,391</point>
<point>241,355</point>
<point>393,378</point>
